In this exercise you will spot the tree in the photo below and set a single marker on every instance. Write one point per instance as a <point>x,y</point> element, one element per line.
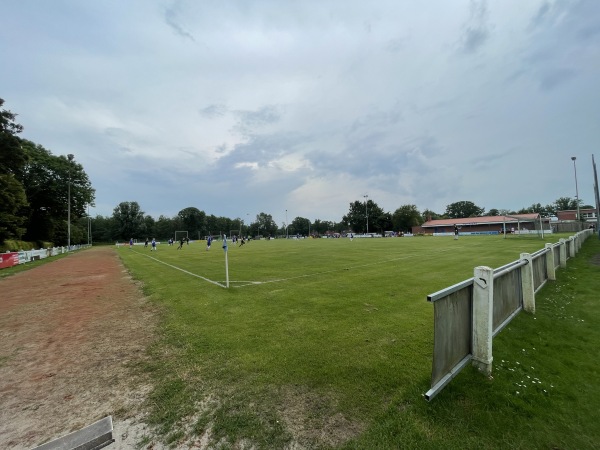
<point>363,216</point>
<point>12,157</point>
<point>47,180</point>
<point>102,229</point>
<point>193,220</point>
<point>128,221</point>
<point>12,194</point>
<point>493,212</point>
<point>300,225</point>
<point>12,199</point>
<point>428,215</point>
<point>264,225</point>
<point>164,228</point>
<point>406,217</point>
<point>463,209</point>
<point>565,204</point>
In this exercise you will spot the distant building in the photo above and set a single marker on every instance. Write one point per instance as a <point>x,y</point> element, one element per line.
<point>518,223</point>
<point>587,215</point>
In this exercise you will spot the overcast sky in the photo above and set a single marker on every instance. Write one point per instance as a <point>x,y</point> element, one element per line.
<point>242,107</point>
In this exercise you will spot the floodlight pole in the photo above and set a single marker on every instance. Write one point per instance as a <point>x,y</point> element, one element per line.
<point>597,195</point>
<point>286,225</point>
<point>366,212</point>
<point>69,158</point>
<point>576,189</point>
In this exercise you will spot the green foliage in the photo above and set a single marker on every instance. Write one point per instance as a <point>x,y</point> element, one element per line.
<point>406,217</point>
<point>128,221</point>
<point>12,201</point>
<point>194,221</point>
<point>364,216</point>
<point>463,209</point>
<point>333,337</point>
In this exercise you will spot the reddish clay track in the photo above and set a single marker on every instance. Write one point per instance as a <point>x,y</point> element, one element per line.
<point>68,330</point>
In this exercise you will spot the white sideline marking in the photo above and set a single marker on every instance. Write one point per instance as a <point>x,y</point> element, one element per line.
<point>183,270</point>
<point>278,280</point>
<point>249,283</point>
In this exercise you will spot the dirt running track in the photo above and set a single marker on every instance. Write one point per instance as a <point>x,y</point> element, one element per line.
<point>69,330</point>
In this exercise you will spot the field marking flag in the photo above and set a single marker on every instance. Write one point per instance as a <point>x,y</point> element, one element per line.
<point>226,262</point>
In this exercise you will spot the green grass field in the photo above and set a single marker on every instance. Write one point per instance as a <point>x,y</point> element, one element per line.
<point>327,343</point>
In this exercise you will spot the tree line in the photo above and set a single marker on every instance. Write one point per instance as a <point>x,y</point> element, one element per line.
<point>36,186</point>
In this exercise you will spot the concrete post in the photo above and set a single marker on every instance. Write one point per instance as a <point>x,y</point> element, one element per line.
<point>483,314</point>
<point>527,284</point>
<point>550,264</point>
<point>563,253</point>
<point>572,246</point>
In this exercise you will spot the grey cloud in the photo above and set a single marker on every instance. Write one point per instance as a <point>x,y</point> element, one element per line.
<point>214,111</point>
<point>377,119</point>
<point>541,15</point>
<point>395,45</point>
<point>475,30</point>
<point>491,160</point>
<point>553,78</point>
<point>171,21</point>
<point>250,120</point>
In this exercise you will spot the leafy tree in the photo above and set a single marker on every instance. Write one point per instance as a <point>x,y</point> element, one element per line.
<point>565,204</point>
<point>463,209</point>
<point>493,212</point>
<point>149,224</point>
<point>264,225</point>
<point>128,221</point>
<point>300,225</point>
<point>363,216</point>
<point>536,208</point>
<point>47,180</point>
<point>356,217</point>
<point>383,222</point>
<point>12,157</point>
<point>102,229</point>
<point>406,217</point>
<point>430,215</point>
<point>320,227</point>
<point>164,228</point>
<point>12,194</point>
<point>193,220</point>
<point>12,199</point>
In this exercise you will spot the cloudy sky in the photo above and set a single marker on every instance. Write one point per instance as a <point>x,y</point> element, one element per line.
<point>240,107</point>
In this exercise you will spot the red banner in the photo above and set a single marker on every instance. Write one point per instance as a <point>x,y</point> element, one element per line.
<point>9,259</point>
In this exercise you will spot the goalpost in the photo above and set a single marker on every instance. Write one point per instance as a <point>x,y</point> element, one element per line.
<point>181,234</point>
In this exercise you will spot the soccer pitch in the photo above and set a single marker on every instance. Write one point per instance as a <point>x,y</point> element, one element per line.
<point>343,325</point>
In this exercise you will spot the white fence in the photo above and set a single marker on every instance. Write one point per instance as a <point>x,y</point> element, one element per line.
<point>25,256</point>
<point>469,314</point>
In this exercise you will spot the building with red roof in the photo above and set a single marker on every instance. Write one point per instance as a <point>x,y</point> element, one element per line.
<point>521,223</point>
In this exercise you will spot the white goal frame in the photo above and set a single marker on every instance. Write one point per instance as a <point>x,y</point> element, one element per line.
<point>186,235</point>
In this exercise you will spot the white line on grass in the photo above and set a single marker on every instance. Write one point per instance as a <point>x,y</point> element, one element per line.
<point>251,283</point>
<point>184,271</point>
<point>279,280</point>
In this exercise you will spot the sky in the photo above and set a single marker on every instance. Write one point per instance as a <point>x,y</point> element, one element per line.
<point>299,108</point>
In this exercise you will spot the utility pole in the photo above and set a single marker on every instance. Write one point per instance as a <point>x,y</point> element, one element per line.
<point>69,158</point>
<point>366,211</point>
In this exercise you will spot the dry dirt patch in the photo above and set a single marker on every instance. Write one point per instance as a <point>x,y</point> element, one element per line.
<point>69,330</point>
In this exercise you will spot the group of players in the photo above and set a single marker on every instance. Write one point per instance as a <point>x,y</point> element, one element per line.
<point>186,240</point>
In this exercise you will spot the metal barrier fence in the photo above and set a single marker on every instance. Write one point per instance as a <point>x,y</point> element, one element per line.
<point>469,314</point>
